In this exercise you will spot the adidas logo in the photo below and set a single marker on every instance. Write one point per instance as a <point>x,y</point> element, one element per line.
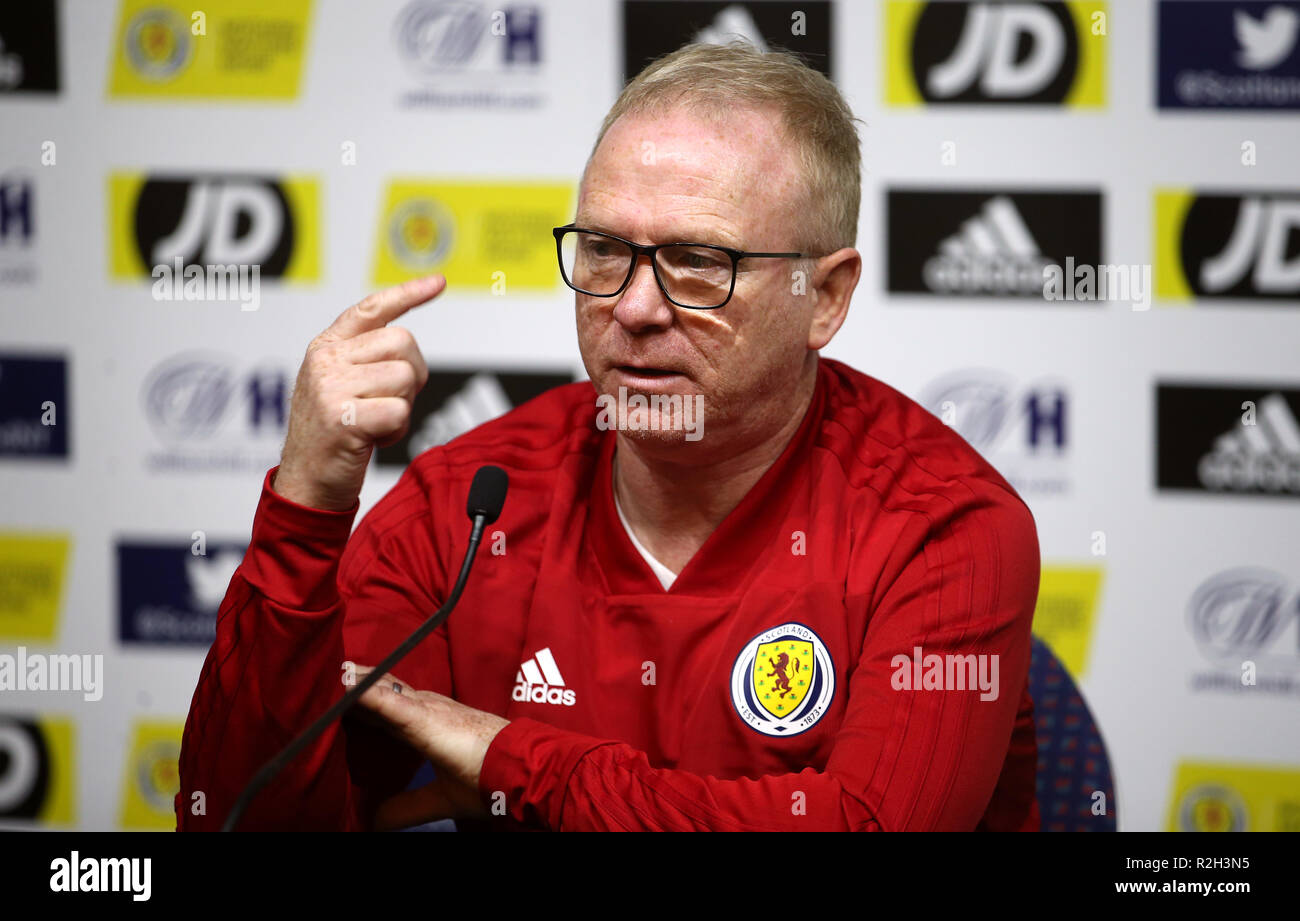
<point>1264,456</point>
<point>994,253</point>
<point>731,23</point>
<point>481,400</point>
<point>539,681</point>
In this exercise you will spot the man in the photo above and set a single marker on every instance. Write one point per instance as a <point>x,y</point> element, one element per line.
<point>720,608</point>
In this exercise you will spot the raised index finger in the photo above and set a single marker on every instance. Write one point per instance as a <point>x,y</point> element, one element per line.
<point>383,307</point>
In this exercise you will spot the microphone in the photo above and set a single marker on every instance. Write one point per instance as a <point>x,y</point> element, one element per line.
<point>487,494</point>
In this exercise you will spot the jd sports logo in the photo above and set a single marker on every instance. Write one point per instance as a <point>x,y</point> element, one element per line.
<point>1225,246</point>
<point>215,220</point>
<point>454,402</point>
<point>36,770</point>
<point>238,221</point>
<point>539,681</point>
<point>983,53</point>
<point>1242,440</point>
<point>987,243</point>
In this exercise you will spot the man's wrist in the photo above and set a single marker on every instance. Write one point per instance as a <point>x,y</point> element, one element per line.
<point>295,549</point>
<point>300,491</point>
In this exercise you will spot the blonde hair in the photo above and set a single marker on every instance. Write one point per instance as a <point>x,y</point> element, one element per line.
<point>714,80</point>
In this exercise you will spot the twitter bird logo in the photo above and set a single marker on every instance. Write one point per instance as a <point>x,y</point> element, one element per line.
<point>209,577</point>
<point>1268,41</point>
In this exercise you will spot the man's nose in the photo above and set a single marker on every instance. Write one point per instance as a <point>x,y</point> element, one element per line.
<point>642,304</point>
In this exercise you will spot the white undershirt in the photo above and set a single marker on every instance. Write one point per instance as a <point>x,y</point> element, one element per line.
<point>666,575</point>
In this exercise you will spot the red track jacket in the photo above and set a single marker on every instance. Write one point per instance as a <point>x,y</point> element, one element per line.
<point>776,685</point>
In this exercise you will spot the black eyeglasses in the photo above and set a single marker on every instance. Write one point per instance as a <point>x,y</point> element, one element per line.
<point>699,276</point>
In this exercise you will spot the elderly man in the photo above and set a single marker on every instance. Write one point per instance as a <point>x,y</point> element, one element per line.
<point>734,586</point>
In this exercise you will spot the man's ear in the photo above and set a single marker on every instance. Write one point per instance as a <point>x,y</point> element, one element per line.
<point>834,278</point>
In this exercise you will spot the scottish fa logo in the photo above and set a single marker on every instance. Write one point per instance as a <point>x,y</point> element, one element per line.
<point>783,681</point>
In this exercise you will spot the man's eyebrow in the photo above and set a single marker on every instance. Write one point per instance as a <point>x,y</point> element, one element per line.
<point>589,224</point>
<point>715,237</point>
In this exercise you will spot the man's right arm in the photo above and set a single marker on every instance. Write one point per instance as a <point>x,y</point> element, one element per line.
<point>284,629</point>
<point>273,665</point>
<point>282,636</point>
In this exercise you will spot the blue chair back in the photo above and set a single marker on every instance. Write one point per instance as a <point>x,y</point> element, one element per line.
<point>1072,760</point>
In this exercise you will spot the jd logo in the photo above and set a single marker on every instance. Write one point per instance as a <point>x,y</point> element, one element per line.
<point>995,52</point>
<point>214,220</point>
<point>1258,259</point>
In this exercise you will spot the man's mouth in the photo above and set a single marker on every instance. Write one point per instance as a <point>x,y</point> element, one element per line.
<point>638,371</point>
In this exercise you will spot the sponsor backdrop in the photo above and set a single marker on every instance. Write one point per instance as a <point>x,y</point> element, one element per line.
<point>1081,234</point>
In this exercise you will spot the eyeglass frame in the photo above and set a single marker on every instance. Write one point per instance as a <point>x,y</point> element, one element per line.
<point>651,252</point>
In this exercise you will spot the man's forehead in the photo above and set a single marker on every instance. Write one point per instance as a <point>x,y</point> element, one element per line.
<point>691,133</point>
<point>687,167</point>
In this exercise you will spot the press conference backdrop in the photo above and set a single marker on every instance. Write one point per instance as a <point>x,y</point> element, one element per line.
<point>1144,401</point>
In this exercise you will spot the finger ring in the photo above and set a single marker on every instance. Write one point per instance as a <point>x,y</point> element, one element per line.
<point>397,688</point>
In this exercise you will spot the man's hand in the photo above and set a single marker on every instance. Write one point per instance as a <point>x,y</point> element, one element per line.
<point>454,737</point>
<point>355,390</point>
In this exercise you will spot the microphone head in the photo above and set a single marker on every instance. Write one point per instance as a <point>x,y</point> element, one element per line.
<point>487,493</point>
